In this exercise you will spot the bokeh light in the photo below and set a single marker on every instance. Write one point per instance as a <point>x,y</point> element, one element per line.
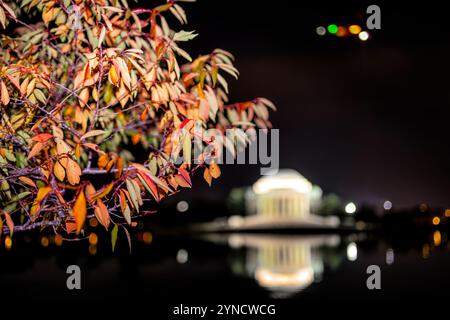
<point>93,239</point>
<point>321,31</point>
<point>93,222</point>
<point>437,238</point>
<point>363,36</point>
<point>436,221</point>
<point>387,205</point>
<point>58,240</point>
<point>352,251</point>
<point>354,29</point>
<point>332,28</point>
<point>350,208</point>
<point>182,206</point>
<point>8,243</point>
<point>147,237</point>
<point>182,256</point>
<point>342,31</point>
<point>44,241</point>
<point>390,256</point>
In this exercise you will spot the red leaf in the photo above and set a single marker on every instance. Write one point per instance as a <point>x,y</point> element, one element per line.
<point>43,137</point>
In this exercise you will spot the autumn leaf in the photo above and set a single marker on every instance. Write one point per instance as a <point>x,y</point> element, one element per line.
<point>73,171</point>
<point>42,138</point>
<point>4,93</point>
<point>92,133</point>
<point>207,176</point>
<point>59,171</point>
<point>36,149</point>
<point>41,194</point>
<point>185,176</point>
<point>27,181</point>
<point>79,211</point>
<point>9,222</point>
<point>101,212</point>
<point>214,170</point>
<point>148,184</point>
<point>113,76</point>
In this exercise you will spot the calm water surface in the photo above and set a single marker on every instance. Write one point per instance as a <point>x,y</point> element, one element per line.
<point>238,267</point>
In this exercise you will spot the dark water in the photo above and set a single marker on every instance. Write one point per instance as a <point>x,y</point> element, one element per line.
<point>242,268</point>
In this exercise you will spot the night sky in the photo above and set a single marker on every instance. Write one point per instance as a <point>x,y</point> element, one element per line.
<point>368,121</point>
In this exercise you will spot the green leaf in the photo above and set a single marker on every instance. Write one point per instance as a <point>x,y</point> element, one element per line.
<point>184,35</point>
<point>114,232</point>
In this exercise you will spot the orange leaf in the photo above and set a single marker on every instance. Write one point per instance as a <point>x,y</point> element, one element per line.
<point>36,149</point>
<point>27,181</point>
<point>71,226</point>
<point>207,176</point>
<point>103,161</point>
<point>101,212</point>
<point>73,171</point>
<point>79,211</point>
<point>4,93</point>
<point>89,192</point>
<point>41,194</point>
<point>214,170</point>
<point>43,137</point>
<point>103,192</point>
<point>9,222</point>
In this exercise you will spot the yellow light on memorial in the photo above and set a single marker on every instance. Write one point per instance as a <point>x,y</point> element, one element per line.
<point>363,36</point>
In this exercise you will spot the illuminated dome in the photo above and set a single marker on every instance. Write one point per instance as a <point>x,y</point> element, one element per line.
<point>286,179</point>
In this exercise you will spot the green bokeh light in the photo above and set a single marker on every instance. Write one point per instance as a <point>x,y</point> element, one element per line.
<point>332,28</point>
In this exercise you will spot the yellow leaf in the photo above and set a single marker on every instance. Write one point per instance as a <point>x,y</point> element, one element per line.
<point>113,77</point>
<point>101,212</point>
<point>79,211</point>
<point>4,93</point>
<point>83,97</point>
<point>59,171</point>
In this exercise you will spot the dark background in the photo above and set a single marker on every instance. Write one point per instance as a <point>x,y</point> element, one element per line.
<point>367,121</point>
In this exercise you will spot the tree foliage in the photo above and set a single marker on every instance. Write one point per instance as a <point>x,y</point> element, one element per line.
<point>82,81</point>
